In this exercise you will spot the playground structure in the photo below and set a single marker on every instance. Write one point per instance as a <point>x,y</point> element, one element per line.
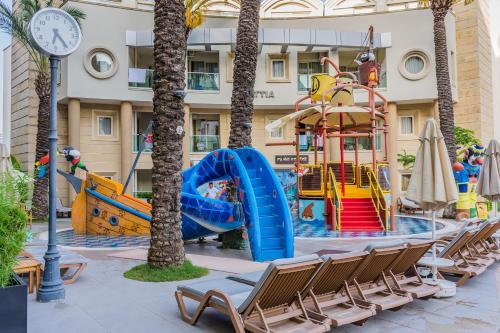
<point>342,195</point>
<point>102,208</point>
<point>466,175</point>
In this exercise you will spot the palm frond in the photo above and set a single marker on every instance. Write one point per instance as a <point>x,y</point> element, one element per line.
<point>28,8</point>
<point>76,13</point>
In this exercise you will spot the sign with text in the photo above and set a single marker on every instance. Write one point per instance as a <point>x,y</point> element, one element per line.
<point>290,159</point>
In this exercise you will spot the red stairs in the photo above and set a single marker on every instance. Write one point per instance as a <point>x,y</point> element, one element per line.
<point>359,214</point>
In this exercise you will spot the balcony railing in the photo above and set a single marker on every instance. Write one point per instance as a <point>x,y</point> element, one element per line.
<point>204,143</point>
<point>140,78</point>
<point>304,80</point>
<point>136,143</point>
<point>199,81</point>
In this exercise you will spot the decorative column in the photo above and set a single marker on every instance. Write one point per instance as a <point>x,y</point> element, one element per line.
<point>73,134</point>
<point>393,157</point>
<point>126,120</point>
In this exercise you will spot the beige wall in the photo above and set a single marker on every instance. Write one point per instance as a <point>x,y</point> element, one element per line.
<point>474,109</point>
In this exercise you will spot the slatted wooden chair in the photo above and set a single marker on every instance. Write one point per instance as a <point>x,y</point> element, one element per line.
<point>274,304</point>
<point>403,271</point>
<point>369,282</point>
<point>328,291</point>
<point>462,267</point>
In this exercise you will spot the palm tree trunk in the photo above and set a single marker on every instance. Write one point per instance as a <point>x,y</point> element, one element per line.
<point>167,247</point>
<point>245,66</point>
<point>445,101</point>
<point>40,199</point>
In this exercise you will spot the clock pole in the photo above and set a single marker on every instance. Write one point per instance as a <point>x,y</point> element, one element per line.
<point>51,287</point>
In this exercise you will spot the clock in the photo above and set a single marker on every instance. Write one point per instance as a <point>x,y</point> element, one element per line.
<point>54,32</point>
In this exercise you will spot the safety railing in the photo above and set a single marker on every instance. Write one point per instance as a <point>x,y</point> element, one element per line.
<point>378,200</point>
<point>335,198</point>
<point>311,181</point>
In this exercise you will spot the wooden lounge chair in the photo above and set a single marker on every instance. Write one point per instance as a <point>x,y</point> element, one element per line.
<point>274,304</point>
<point>71,264</point>
<point>328,291</point>
<point>471,251</point>
<point>403,272</point>
<point>462,267</point>
<point>369,282</point>
<point>482,246</point>
<point>406,206</point>
<point>61,210</point>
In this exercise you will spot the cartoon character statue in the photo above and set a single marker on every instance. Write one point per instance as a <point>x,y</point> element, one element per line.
<point>466,175</point>
<point>42,165</point>
<point>73,156</point>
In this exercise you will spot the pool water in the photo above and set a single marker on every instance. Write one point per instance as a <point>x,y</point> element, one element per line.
<point>407,225</point>
<point>69,238</point>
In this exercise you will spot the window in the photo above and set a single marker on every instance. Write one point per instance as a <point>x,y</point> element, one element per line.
<point>105,125</point>
<point>276,133</point>
<point>100,63</point>
<point>406,125</point>
<point>278,69</point>
<point>205,131</point>
<point>364,143</point>
<point>405,181</point>
<point>414,64</point>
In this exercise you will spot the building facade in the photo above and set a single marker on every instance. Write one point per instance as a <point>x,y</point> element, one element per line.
<point>105,95</point>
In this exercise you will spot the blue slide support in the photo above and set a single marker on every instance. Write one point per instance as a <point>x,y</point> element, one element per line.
<point>263,207</point>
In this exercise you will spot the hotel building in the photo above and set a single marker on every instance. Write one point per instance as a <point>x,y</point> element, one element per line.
<point>105,95</point>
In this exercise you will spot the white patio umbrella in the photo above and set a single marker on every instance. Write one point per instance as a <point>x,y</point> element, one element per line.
<point>5,163</point>
<point>432,185</point>
<point>488,185</point>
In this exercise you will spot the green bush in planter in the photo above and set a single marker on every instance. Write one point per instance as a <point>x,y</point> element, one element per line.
<point>12,229</point>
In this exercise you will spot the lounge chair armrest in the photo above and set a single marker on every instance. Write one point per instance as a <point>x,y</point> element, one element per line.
<point>317,317</point>
<point>400,292</point>
<point>364,304</point>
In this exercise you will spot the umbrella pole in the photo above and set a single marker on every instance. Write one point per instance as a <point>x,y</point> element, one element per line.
<point>434,268</point>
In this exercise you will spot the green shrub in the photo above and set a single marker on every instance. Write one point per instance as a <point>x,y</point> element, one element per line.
<point>15,187</point>
<point>12,237</point>
<point>407,160</point>
<point>144,195</point>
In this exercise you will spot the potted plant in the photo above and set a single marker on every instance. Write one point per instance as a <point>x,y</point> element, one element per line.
<point>13,290</point>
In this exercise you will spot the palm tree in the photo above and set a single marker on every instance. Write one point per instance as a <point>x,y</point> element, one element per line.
<point>245,66</point>
<point>15,22</point>
<point>170,47</point>
<point>195,14</point>
<point>440,9</point>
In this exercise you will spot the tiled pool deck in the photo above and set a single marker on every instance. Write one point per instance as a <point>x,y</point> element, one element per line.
<point>103,301</point>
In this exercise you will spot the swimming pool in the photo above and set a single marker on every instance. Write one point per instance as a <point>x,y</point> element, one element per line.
<point>407,225</point>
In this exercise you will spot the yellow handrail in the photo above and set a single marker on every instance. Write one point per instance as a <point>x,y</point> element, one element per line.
<point>336,194</point>
<point>378,200</point>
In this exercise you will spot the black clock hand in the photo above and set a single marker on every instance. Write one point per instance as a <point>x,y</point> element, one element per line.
<point>56,35</point>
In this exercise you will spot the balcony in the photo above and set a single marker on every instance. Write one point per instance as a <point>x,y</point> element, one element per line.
<point>199,81</point>
<point>136,143</point>
<point>304,80</point>
<point>140,78</point>
<point>204,143</point>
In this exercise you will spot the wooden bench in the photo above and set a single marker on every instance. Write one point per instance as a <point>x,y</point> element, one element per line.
<point>31,267</point>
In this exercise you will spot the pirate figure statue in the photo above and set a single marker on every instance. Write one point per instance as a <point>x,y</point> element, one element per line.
<point>73,156</point>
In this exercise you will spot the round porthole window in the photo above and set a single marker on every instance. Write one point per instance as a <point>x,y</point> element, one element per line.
<point>101,63</point>
<point>415,65</point>
<point>113,220</point>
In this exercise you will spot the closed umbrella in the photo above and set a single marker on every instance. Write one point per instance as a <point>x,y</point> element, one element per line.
<point>5,164</point>
<point>432,185</point>
<point>488,185</point>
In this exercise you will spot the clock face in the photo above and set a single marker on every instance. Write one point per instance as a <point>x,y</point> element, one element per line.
<point>55,32</point>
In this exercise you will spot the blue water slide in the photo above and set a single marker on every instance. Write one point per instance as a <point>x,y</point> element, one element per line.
<point>262,206</point>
